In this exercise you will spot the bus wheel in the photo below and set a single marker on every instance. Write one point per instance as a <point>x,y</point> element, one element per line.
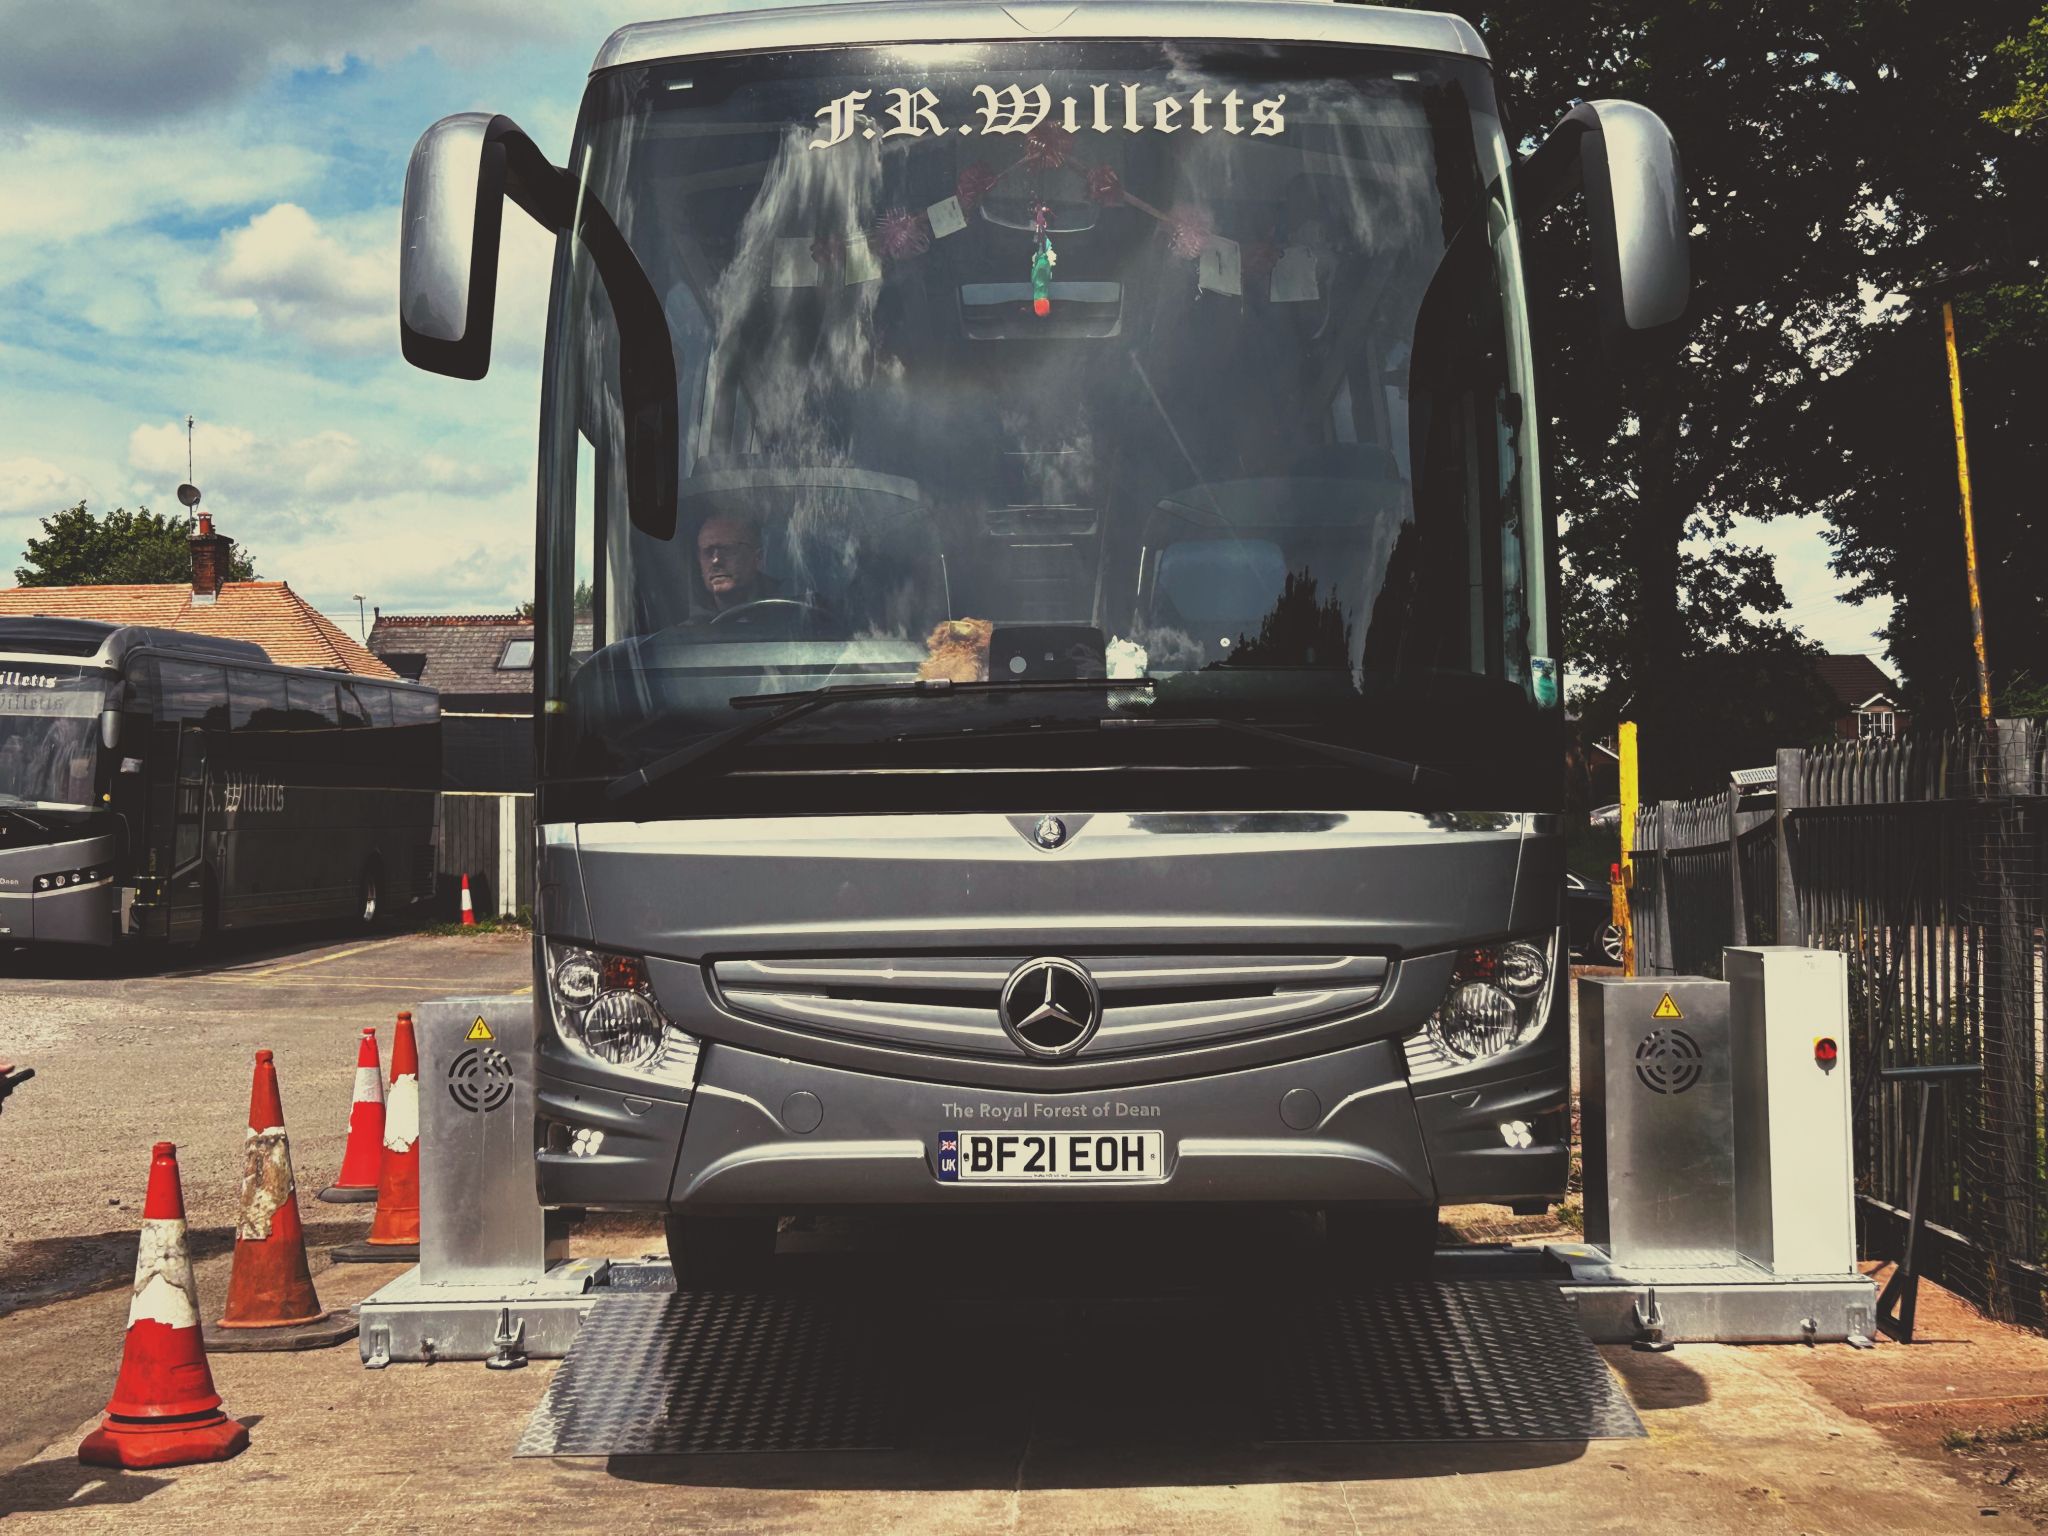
<point>370,896</point>
<point>720,1253</point>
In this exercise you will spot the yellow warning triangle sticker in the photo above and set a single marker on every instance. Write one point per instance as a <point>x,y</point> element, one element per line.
<point>1665,1010</point>
<point>482,1031</point>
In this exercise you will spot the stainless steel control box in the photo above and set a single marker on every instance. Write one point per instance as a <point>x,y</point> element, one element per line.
<point>1795,1169</point>
<point>1656,1105</point>
<point>481,1220</point>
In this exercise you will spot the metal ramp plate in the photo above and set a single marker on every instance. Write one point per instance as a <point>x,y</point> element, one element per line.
<point>1439,1360</point>
<point>683,1372</point>
<point>657,1373</point>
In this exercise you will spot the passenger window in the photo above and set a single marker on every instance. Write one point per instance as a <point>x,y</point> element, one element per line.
<point>193,692</point>
<point>354,713</point>
<point>410,707</point>
<point>311,705</point>
<point>256,701</point>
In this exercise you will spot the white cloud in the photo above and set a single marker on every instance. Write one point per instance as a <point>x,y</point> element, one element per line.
<point>58,187</point>
<point>112,61</point>
<point>185,227</point>
<point>36,486</point>
<point>304,479</point>
<point>335,283</point>
<point>137,285</point>
<point>415,529</point>
<point>298,277</point>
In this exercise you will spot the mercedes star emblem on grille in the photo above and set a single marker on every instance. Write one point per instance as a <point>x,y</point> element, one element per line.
<point>1050,1007</point>
<point>1050,832</point>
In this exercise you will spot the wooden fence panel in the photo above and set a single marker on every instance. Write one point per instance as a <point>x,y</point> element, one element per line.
<point>490,838</point>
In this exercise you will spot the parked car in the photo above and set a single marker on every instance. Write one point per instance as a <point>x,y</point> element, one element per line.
<point>1594,936</point>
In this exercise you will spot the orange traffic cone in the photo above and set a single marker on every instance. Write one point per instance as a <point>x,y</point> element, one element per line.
<point>164,1411</point>
<point>398,1181</point>
<point>364,1156</point>
<point>468,911</point>
<point>269,1286</point>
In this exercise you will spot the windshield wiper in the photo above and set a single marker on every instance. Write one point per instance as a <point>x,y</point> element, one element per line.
<point>785,707</point>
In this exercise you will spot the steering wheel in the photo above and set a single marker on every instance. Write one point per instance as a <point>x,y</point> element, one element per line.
<point>786,607</point>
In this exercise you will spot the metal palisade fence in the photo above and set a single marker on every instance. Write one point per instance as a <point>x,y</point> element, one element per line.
<point>1925,861</point>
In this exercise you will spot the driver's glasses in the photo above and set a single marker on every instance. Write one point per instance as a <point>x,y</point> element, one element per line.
<point>723,554</point>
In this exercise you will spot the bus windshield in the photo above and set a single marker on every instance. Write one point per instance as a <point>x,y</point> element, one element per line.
<point>49,734</point>
<point>1198,367</point>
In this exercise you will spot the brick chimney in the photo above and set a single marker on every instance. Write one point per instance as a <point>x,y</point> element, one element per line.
<point>210,552</point>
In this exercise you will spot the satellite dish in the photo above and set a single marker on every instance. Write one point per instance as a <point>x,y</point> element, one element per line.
<point>189,494</point>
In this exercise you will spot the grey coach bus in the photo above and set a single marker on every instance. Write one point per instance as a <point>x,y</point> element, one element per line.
<point>160,785</point>
<point>1073,711</point>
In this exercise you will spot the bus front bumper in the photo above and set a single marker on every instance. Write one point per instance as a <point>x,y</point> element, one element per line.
<point>763,1133</point>
<point>74,913</point>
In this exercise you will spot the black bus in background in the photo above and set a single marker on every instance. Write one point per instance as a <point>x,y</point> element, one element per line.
<point>159,785</point>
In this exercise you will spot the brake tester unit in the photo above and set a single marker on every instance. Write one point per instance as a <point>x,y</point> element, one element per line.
<point>494,1281</point>
<point>1718,1177</point>
<point>1719,1181</point>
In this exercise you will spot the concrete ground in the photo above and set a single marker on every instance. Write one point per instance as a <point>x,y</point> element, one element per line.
<point>1765,1439</point>
<point>146,1054</point>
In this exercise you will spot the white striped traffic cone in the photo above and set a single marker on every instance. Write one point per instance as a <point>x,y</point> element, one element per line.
<point>164,1411</point>
<point>364,1156</point>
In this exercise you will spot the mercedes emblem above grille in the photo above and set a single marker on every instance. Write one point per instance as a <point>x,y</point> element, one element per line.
<point>1050,1007</point>
<point>1050,832</point>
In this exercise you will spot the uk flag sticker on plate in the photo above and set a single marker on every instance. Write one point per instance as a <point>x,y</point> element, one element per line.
<point>949,1154</point>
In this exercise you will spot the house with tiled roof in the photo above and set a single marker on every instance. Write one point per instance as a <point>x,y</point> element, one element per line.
<point>482,666</point>
<point>269,613</point>
<point>476,661</point>
<point>1866,696</point>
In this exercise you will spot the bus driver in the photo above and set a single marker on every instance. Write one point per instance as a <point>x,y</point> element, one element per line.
<point>729,560</point>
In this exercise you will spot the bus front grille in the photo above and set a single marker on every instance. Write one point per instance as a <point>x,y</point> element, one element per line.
<point>947,1004</point>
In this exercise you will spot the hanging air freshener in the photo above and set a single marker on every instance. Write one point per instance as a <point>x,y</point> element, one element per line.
<point>1042,262</point>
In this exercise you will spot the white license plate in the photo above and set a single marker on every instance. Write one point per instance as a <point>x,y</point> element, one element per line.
<point>968,1157</point>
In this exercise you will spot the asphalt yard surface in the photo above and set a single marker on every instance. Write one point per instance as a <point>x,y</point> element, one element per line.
<point>1059,1420</point>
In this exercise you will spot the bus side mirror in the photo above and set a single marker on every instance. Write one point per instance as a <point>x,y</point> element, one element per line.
<point>462,171</point>
<point>1626,161</point>
<point>448,250</point>
<point>110,728</point>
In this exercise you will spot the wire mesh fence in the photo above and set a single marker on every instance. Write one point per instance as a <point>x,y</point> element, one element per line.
<point>1925,861</point>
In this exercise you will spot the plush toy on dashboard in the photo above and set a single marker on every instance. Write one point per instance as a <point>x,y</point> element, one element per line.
<point>959,651</point>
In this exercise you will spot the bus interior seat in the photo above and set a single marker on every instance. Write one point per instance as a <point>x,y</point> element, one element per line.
<point>1215,558</point>
<point>1216,590</point>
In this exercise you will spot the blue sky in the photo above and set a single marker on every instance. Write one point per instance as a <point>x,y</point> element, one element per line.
<point>198,213</point>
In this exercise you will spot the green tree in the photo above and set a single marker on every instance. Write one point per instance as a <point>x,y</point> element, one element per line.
<point>2027,57</point>
<point>1834,150</point>
<point>582,602</point>
<point>79,548</point>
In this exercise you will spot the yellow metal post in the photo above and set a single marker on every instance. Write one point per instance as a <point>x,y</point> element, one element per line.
<point>1955,400</point>
<point>1629,801</point>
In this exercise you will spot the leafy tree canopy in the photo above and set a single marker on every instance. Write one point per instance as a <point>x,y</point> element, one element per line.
<point>80,549</point>
<point>2027,57</point>
<point>1839,160</point>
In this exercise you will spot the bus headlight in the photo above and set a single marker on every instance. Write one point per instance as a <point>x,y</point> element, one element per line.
<point>603,1006</point>
<point>1498,998</point>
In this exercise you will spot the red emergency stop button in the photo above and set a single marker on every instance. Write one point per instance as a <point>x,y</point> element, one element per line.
<point>1825,1051</point>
